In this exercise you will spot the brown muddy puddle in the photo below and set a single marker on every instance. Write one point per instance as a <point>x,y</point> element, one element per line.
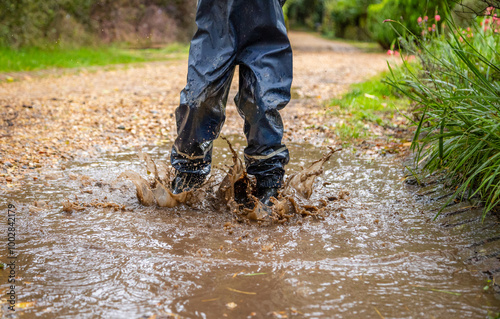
<point>375,254</point>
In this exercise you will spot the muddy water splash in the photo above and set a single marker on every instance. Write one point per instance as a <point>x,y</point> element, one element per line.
<point>234,192</point>
<point>376,251</point>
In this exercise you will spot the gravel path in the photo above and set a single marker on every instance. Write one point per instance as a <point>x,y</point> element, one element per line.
<point>48,120</point>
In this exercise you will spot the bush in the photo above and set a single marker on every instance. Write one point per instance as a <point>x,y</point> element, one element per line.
<point>406,12</point>
<point>457,89</point>
<point>334,18</point>
<point>304,13</point>
<point>34,22</point>
<point>346,18</point>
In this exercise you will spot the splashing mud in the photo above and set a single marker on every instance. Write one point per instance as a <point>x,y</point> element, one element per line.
<point>235,191</point>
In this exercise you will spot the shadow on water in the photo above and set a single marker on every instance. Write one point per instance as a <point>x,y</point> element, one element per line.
<point>374,255</point>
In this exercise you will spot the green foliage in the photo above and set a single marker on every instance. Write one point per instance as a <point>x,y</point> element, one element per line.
<point>34,22</point>
<point>361,19</point>
<point>406,12</point>
<point>494,316</point>
<point>346,18</point>
<point>334,18</point>
<point>458,93</point>
<point>306,13</point>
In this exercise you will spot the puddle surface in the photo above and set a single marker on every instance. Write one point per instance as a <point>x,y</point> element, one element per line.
<point>375,255</point>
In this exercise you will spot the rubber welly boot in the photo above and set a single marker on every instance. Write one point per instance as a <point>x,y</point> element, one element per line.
<point>264,195</point>
<point>184,182</point>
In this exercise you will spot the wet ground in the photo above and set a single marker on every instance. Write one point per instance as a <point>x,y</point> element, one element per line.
<point>88,249</point>
<point>376,254</point>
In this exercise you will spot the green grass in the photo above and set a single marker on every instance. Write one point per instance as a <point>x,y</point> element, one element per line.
<point>29,59</point>
<point>370,102</point>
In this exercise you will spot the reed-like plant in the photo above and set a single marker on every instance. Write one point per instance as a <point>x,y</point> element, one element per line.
<point>456,87</point>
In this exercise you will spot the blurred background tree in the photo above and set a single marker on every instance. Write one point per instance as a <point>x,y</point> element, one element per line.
<point>347,19</point>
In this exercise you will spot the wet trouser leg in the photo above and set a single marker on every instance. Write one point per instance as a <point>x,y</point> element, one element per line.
<point>251,34</point>
<point>259,105</point>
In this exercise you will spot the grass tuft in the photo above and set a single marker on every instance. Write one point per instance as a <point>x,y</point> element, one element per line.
<point>458,98</point>
<point>373,102</point>
<point>30,59</point>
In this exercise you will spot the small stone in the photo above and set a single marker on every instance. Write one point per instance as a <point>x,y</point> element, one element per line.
<point>231,305</point>
<point>121,127</point>
<point>40,203</point>
<point>8,164</point>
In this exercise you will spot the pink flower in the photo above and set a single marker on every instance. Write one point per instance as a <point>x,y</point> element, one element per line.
<point>419,20</point>
<point>396,53</point>
<point>430,29</point>
<point>426,18</point>
<point>486,21</point>
<point>390,52</point>
<point>410,58</point>
<point>437,17</point>
<point>489,10</point>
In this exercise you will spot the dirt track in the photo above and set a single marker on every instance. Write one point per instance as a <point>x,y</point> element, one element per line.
<point>49,119</point>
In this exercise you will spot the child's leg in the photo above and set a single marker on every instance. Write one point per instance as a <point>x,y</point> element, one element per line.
<point>200,116</point>
<point>265,59</point>
<point>264,90</point>
<point>201,112</point>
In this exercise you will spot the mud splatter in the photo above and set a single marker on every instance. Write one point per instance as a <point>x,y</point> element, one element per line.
<point>235,192</point>
<point>71,206</point>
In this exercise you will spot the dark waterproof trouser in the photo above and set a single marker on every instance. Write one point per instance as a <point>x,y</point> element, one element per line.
<point>251,34</point>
